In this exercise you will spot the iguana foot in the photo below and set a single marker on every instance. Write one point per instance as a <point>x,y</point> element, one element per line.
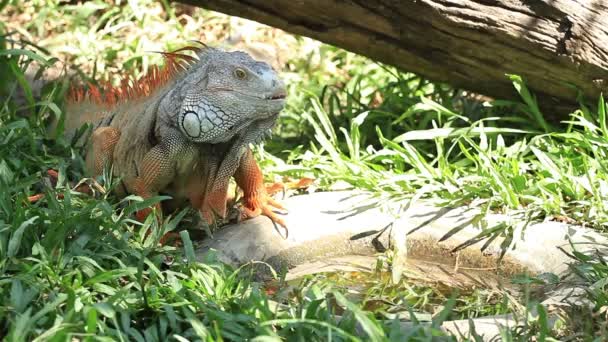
<point>263,205</point>
<point>142,215</point>
<point>256,200</point>
<point>177,240</point>
<point>35,198</point>
<point>214,207</point>
<point>52,176</point>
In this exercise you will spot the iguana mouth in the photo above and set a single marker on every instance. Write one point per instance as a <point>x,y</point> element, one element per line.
<point>276,96</point>
<point>280,96</point>
<point>273,97</point>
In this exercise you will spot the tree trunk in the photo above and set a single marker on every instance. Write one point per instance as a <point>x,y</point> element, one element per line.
<point>558,46</point>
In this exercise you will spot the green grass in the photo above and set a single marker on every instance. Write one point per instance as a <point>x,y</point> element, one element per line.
<point>376,293</point>
<point>82,268</point>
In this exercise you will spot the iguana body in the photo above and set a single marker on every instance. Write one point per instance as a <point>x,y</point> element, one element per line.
<point>185,130</point>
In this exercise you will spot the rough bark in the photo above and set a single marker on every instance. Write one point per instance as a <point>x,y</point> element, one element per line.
<point>558,46</point>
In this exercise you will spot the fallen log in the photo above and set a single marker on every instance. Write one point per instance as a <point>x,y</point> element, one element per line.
<point>558,46</point>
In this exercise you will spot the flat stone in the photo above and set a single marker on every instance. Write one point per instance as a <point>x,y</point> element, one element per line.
<point>321,225</point>
<point>487,327</point>
<point>330,224</point>
<point>327,228</point>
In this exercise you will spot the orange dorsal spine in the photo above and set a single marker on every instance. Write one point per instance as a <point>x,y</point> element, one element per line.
<point>108,95</point>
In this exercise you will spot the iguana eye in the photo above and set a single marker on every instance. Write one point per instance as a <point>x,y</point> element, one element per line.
<point>240,73</point>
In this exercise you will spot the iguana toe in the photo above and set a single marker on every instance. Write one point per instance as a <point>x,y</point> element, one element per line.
<point>265,206</point>
<point>177,241</point>
<point>53,177</point>
<point>142,214</point>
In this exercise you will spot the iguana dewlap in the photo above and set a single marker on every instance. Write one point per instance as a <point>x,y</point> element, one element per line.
<point>185,130</point>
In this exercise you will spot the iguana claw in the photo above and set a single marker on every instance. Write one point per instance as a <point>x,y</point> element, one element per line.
<point>53,176</point>
<point>264,205</point>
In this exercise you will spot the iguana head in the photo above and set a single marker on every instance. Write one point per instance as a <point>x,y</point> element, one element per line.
<point>227,93</point>
<point>211,100</point>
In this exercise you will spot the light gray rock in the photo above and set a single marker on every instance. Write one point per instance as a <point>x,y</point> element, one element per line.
<point>320,225</point>
<point>327,225</point>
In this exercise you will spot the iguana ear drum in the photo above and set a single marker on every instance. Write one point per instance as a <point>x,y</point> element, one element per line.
<point>191,124</point>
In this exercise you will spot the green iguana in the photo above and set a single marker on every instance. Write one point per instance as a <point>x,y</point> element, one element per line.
<point>184,130</point>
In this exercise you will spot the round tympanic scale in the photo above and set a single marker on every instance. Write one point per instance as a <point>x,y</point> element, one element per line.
<point>191,125</point>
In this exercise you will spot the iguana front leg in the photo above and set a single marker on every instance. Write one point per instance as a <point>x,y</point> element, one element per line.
<point>158,169</point>
<point>101,150</point>
<point>256,199</point>
<point>214,204</point>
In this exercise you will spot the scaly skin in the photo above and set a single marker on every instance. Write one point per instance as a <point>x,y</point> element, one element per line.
<point>185,133</point>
